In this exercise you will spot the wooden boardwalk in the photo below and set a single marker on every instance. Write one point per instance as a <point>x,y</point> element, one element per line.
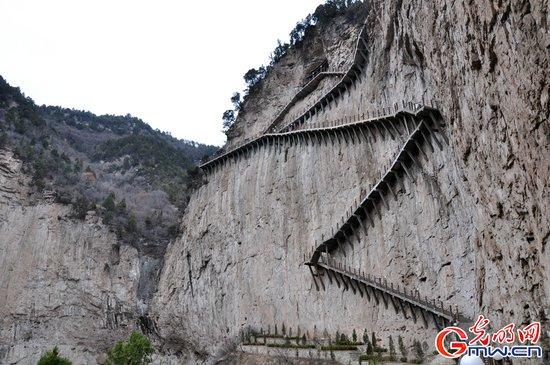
<point>407,302</point>
<point>376,125</point>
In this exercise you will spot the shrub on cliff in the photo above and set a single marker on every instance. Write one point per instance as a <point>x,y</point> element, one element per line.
<point>109,208</point>
<point>52,358</point>
<point>228,118</point>
<point>80,207</point>
<point>253,76</point>
<point>136,350</point>
<point>324,13</point>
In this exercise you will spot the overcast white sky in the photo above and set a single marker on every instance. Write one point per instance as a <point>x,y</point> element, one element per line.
<point>173,64</point>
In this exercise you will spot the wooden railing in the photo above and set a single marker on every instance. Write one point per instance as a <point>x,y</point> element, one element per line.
<point>409,302</point>
<point>379,121</point>
<point>350,77</point>
<point>425,131</point>
<point>323,67</point>
<point>426,128</point>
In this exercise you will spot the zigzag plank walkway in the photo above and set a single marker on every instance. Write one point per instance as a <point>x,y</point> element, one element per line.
<point>349,79</point>
<point>354,129</point>
<point>308,87</point>
<point>425,134</point>
<point>424,131</point>
<point>317,70</point>
<point>409,303</point>
<point>423,126</point>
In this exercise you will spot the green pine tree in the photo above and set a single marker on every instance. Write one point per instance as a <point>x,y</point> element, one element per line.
<point>369,348</point>
<point>392,349</point>
<point>136,350</point>
<point>52,358</point>
<point>366,337</point>
<point>131,226</point>
<point>109,206</point>
<point>344,339</point>
<point>402,347</point>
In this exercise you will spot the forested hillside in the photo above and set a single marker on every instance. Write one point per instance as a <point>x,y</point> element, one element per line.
<point>137,179</point>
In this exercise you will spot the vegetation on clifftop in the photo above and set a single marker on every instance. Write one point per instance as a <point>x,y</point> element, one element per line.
<point>324,13</point>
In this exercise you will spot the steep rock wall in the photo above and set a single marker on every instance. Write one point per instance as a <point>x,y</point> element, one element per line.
<point>291,198</point>
<point>471,231</point>
<point>63,281</point>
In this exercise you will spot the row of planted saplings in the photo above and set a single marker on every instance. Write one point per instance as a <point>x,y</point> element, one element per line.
<point>284,337</point>
<point>369,346</point>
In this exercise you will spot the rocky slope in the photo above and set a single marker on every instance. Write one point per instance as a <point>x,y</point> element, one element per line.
<point>62,281</point>
<point>472,231</point>
<point>333,43</point>
<point>87,206</point>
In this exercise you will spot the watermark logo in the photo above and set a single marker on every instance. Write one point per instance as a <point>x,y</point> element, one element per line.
<point>452,342</point>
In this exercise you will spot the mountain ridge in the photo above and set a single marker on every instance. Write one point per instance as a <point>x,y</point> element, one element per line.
<point>135,178</point>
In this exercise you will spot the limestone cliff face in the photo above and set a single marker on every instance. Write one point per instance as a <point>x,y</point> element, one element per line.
<point>63,281</point>
<point>471,231</point>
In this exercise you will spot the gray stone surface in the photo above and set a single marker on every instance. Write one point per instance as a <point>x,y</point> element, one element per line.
<point>256,359</point>
<point>62,282</point>
<point>472,231</point>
